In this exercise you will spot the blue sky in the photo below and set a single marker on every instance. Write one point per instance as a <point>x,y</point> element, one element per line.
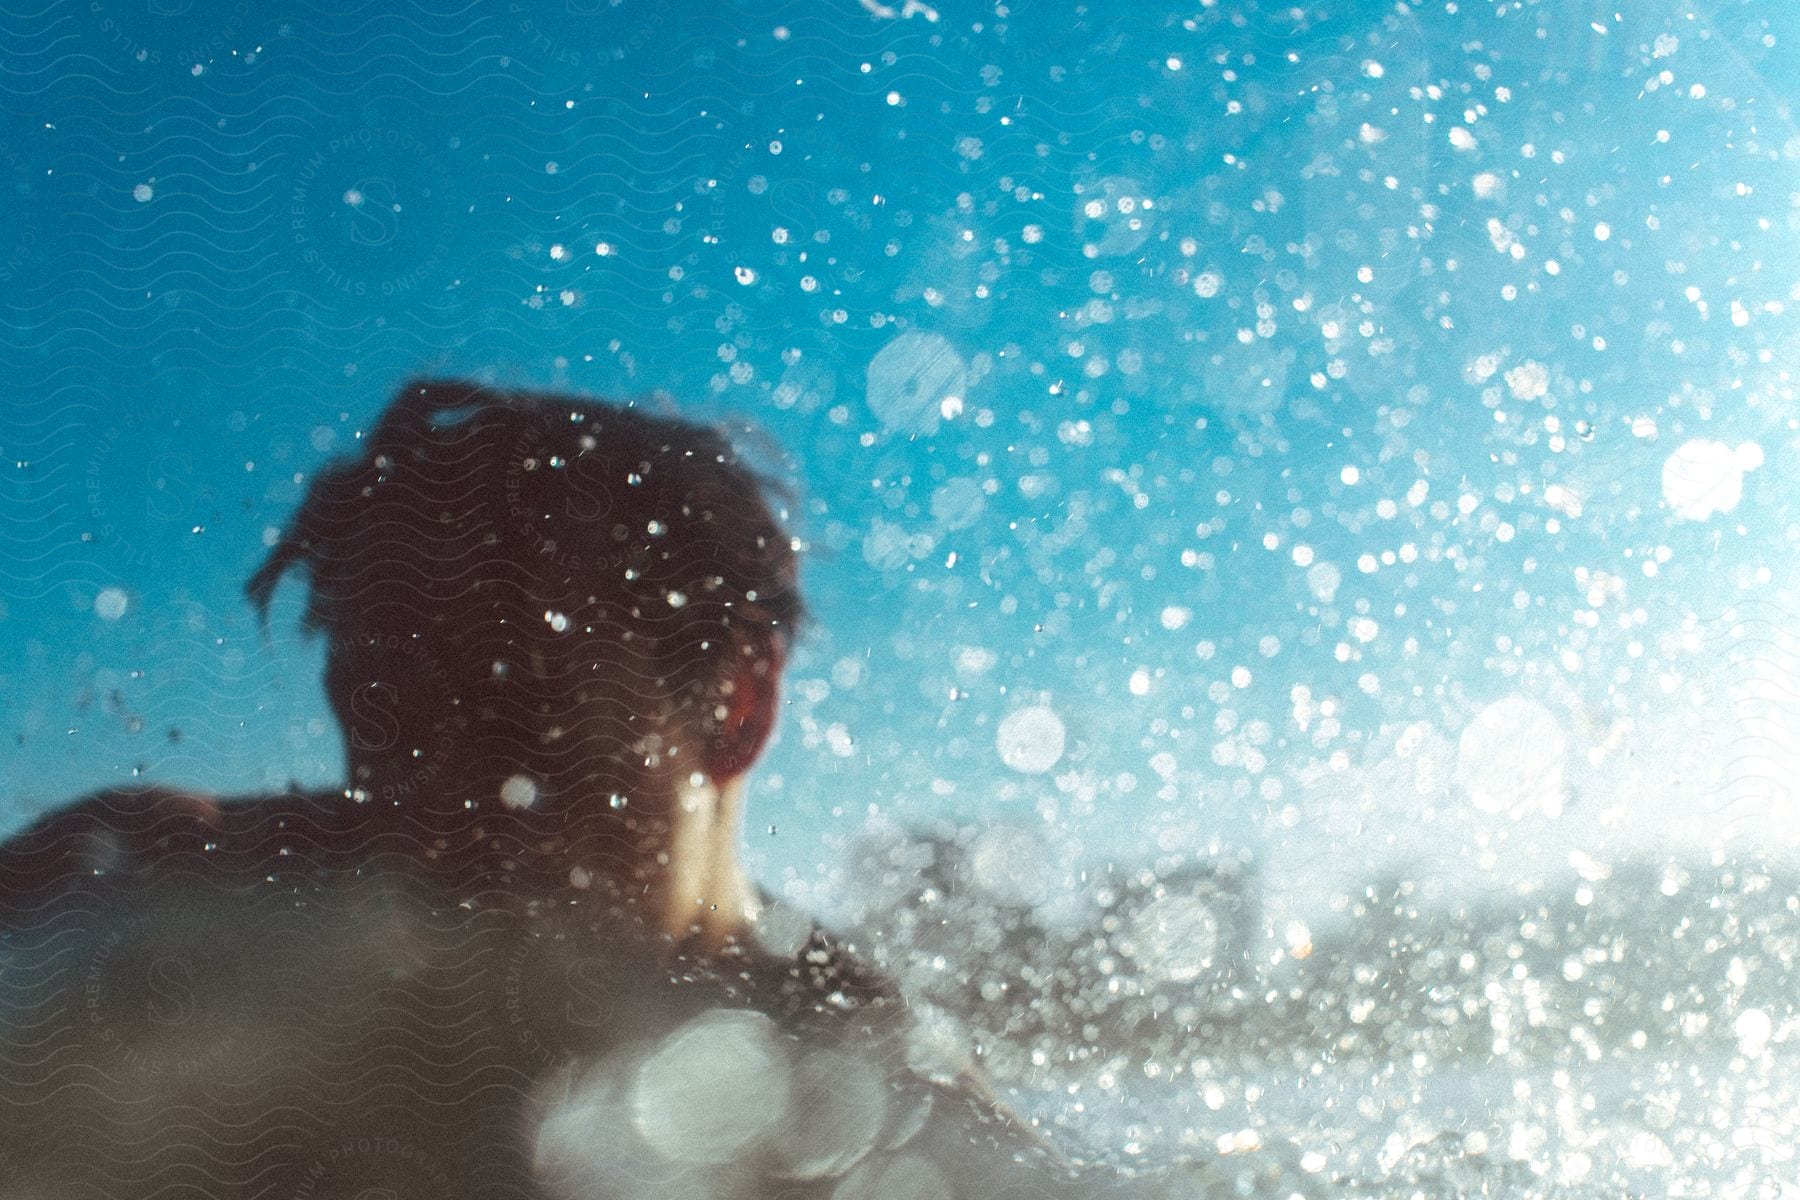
<point>1305,415</point>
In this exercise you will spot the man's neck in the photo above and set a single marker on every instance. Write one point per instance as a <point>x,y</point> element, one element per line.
<point>668,846</point>
<point>706,893</point>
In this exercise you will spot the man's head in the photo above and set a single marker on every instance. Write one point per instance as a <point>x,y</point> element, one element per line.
<point>569,602</point>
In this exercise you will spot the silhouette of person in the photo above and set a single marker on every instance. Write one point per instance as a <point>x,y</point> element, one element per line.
<point>514,955</point>
<point>555,630</point>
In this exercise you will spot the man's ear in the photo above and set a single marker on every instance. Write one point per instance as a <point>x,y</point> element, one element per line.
<point>745,706</point>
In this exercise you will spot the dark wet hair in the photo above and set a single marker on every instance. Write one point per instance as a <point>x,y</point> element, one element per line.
<point>481,523</point>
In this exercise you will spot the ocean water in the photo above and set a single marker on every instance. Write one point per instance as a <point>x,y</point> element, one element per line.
<point>1296,501</point>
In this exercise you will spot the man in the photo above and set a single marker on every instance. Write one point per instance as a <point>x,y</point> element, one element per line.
<point>554,631</point>
<point>514,956</point>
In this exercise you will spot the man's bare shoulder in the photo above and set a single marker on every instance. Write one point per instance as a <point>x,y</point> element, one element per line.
<point>129,834</point>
